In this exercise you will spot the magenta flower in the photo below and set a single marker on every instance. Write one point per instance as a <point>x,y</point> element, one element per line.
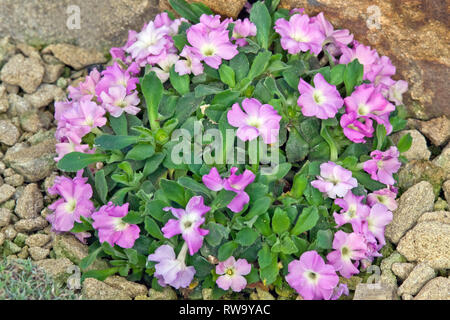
<point>192,64</point>
<point>356,129</point>
<point>163,69</point>
<point>163,19</point>
<point>258,120</point>
<point>170,270</point>
<point>111,227</point>
<point>322,102</point>
<point>71,143</point>
<point>84,116</point>
<point>365,55</point>
<point>339,38</point>
<point>188,223</point>
<point>347,247</point>
<point>243,29</point>
<point>353,211</point>
<point>212,22</point>
<point>376,222</point>
<point>339,291</point>
<point>75,202</point>
<point>383,165</point>
<point>212,46</point>
<point>115,76</point>
<point>86,89</point>
<point>381,73</point>
<point>232,273</point>
<point>311,277</point>
<point>299,34</point>
<point>119,53</point>
<point>384,196</point>
<point>334,180</point>
<point>116,101</point>
<point>236,183</point>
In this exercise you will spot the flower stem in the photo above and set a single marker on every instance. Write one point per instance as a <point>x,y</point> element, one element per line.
<point>327,137</point>
<point>182,255</point>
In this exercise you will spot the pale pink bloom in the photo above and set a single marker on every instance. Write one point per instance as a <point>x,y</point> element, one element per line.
<point>365,55</point>
<point>376,222</point>
<point>385,197</point>
<point>311,277</point>
<point>396,91</point>
<point>84,116</point>
<point>192,64</point>
<point>334,180</point>
<point>232,273</point>
<point>356,129</point>
<point>258,120</point>
<point>163,19</point>
<point>86,89</point>
<point>111,227</point>
<point>243,29</point>
<point>187,223</point>
<point>383,165</point>
<point>163,69</point>
<point>381,73</point>
<point>115,76</point>
<point>116,101</point>
<point>322,101</point>
<point>71,143</point>
<point>347,247</point>
<point>353,211</point>
<point>336,38</point>
<point>299,34</point>
<point>212,22</point>
<point>339,291</point>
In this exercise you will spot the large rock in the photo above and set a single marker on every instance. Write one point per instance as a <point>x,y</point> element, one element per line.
<point>228,8</point>
<point>421,274</point>
<point>45,94</point>
<point>74,56</point>
<point>9,134</point>
<point>57,268</point>
<point>419,149</point>
<point>419,50</point>
<point>443,161</point>
<point>412,204</point>
<point>402,269</point>
<point>30,225</point>
<point>103,23</point>
<point>94,289</point>
<point>377,291</point>
<point>24,72</point>
<point>34,162</point>
<point>427,242</point>
<point>130,288</point>
<point>5,217</point>
<point>30,202</point>
<point>6,192</point>
<point>437,130</point>
<point>421,170</point>
<point>436,289</point>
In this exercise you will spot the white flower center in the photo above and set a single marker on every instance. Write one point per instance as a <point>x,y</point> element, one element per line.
<point>299,37</point>
<point>318,96</point>
<point>363,109</point>
<point>254,122</point>
<point>208,50</point>
<point>120,224</point>
<point>346,253</point>
<point>71,205</point>
<point>312,277</point>
<point>187,222</point>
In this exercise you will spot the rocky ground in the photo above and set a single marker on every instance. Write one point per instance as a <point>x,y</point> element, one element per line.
<point>416,260</point>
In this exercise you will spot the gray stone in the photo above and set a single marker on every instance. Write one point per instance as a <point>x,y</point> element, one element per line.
<point>421,170</point>
<point>38,253</point>
<point>9,134</point>
<point>387,276</point>
<point>30,225</point>
<point>420,275</point>
<point>4,103</point>
<point>10,248</point>
<point>443,161</point>
<point>2,238</point>
<point>52,72</point>
<point>412,204</point>
<point>167,293</point>
<point>33,121</point>
<point>18,105</point>
<point>7,49</point>
<point>446,188</point>
<point>94,289</point>
<point>437,130</point>
<point>419,149</point>
<point>45,94</point>
<point>74,56</point>
<point>436,289</point>
<point>6,192</point>
<point>20,239</point>
<point>24,72</point>
<point>427,242</point>
<point>30,202</point>
<point>57,268</point>
<point>441,216</point>
<point>33,163</point>
<point>402,269</point>
<point>10,232</point>
<point>5,217</point>
<point>377,291</point>
<point>132,289</point>
<point>37,240</point>
<point>15,180</point>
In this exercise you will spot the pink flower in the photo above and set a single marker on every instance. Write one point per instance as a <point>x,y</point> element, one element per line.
<point>211,46</point>
<point>70,143</point>
<point>236,183</point>
<point>353,211</point>
<point>368,102</point>
<point>299,34</point>
<point>232,273</point>
<point>396,91</point>
<point>112,229</point>
<point>115,76</point>
<point>311,277</point>
<point>335,39</point>
<point>347,247</point>
<point>188,223</point>
<point>75,202</point>
<point>376,222</point>
<point>339,291</point>
<point>86,89</point>
<point>365,55</point>
<point>120,52</point>
<point>170,270</point>
<point>210,22</point>
<point>163,19</point>
<point>84,116</point>
<point>192,64</point>
<point>258,120</point>
<point>116,101</point>
<point>356,129</point>
<point>334,180</point>
<point>384,196</point>
<point>383,165</point>
<point>381,73</point>
<point>243,29</point>
<point>163,69</point>
<point>322,102</point>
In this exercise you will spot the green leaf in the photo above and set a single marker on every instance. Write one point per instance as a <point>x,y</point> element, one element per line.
<point>74,161</point>
<point>153,229</point>
<point>101,185</point>
<point>217,232</point>
<point>119,124</point>
<point>152,164</point>
<point>140,152</point>
<point>381,137</point>
<point>227,97</point>
<point>296,147</point>
<point>268,263</point>
<point>133,217</point>
<point>155,209</point>
<point>226,250</point>
<point>306,221</point>
<point>280,221</point>
<point>205,90</point>
<point>99,274</point>
<point>111,142</point>
<point>260,16</point>
<point>299,186</point>
<point>152,89</point>
<point>260,64</point>
<point>227,75</point>
<point>185,10</point>
<point>240,65</point>
<point>404,143</point>
<point>180,83</point>
<point>337,74</point>
<point>259,207</point>
<point>367,182</point>
<point>246,237</point>
<point>194,186</point>
<point>325,239</point>
<point>88,260</point>
<point>180,41</point>
<point>222,199</point>
<point>353,76</point>
<point>173,191</point>
<point>132,255</point>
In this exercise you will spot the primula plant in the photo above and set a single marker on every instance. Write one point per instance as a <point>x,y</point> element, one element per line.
<point>232,154</point>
